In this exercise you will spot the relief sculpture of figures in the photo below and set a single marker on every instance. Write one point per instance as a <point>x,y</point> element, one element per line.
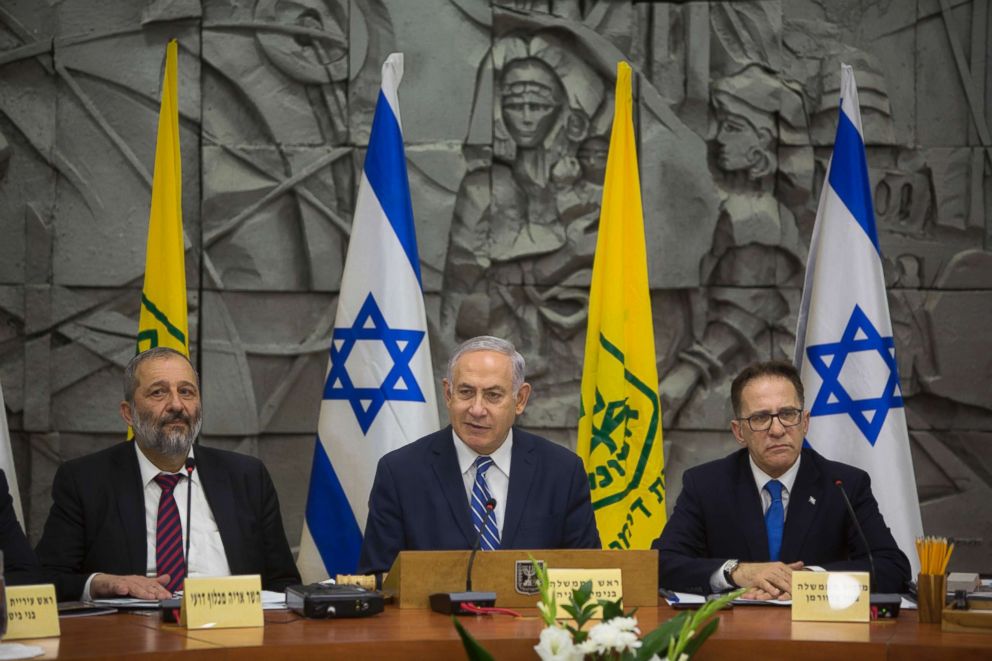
<point>523,233</point>
<point>763,163</point>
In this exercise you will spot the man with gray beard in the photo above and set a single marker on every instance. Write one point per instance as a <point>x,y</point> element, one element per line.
<point>118,524</point>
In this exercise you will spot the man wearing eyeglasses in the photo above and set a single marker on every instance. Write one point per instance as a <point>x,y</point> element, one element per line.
<point>773,507</point>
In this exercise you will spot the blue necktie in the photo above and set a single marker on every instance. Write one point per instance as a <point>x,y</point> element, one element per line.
<point>774,519</point>
<point>481,496</point>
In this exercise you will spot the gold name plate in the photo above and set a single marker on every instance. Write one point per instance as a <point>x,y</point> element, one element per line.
<point>32,612</point>
<point>830,596</point>
<point>220,603</point>
<point>607,584</point>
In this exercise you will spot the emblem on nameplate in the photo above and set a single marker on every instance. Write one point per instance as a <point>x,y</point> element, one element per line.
<point>526,574</point>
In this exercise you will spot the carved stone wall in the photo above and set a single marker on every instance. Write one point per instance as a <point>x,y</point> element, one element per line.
<point>506,111</point>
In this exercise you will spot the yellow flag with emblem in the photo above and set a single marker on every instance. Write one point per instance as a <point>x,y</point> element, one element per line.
<point>620,437</point>
<point>163,320</point>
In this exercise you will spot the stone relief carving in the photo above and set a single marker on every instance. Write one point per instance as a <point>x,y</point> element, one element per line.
<point>736,104</point>
<point>523,232</point>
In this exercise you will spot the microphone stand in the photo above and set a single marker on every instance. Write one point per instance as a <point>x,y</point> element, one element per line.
<point>883,605</point>
<point>451,603</point>
<point>190,467</point>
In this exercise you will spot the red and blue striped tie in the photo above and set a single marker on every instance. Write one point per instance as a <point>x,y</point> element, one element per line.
<point>169,558</point>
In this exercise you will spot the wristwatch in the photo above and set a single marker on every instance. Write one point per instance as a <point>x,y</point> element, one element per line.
<point>728,569</point>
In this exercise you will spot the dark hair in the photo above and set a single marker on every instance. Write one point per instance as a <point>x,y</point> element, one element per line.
<point>131,371</point>
<point>778,368</point>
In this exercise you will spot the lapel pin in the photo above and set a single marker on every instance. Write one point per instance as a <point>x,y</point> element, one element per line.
<point>812,500</point>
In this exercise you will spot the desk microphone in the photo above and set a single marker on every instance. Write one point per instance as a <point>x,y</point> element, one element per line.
<point>451,603</point>
<point>857,526</point>
<point>490,507</point>
<point>883,606</point>
<point>190,467</point>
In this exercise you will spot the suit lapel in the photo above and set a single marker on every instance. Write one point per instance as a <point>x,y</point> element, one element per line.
<point>749,510</point>
<point>449,477</point>
<point>216,482</point>
<point>806,492</point>
<point>523,468</point>
<point>130,497</point>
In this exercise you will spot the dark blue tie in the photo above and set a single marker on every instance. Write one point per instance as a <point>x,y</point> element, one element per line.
<point>480,496</point>
<point>774,519</point>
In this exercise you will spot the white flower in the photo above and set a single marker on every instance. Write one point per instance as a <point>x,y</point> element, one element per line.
<point>625,624</point>
<point>556,645</point>
<point>608,637</point>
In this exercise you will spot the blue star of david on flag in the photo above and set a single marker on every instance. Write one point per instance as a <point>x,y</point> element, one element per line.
<point>828,360</point>
<point>400,384</point>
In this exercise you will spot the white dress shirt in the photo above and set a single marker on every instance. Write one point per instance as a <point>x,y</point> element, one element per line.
<point>717,582</point>
<point>497,475</point>
<point>206,550</point>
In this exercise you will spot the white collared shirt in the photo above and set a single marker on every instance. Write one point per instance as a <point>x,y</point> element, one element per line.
<point>206,550</point>
<point>497,476</point>
<point>761,478</point>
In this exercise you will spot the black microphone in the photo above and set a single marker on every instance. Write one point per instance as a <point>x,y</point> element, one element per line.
<point>490,506</point>
<point>884,606</point>
<point>190,467</point>
<point>857,526</point>
<point>459,603</point>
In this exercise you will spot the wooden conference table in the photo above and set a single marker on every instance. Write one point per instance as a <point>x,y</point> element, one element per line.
<point>749,632</point>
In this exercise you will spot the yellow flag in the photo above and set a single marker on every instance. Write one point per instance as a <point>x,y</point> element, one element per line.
<point>163,298</point>
<point>620,419</point>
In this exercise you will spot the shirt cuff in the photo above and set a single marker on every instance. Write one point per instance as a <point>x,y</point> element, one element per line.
<point>717,582</point>
<point>86,589</point>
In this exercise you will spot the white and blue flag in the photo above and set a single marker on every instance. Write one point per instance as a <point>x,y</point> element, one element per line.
<point>379,393</point>
<point>845,350</point>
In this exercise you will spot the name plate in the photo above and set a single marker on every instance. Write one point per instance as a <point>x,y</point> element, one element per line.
<point>219,603</point>
<point>830,596</point>
<point>32,612</point>
<point>607,584</point>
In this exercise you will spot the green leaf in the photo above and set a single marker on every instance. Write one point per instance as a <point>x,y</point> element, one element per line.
<point>700,637</point>
<point>573,611</point>
<point>656,641</point>
<point>473,649</point>
<point>611,609</point>
<point>582,595</point>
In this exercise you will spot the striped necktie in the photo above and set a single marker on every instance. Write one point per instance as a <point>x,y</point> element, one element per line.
<point>480,496</point>
<point>169,558</point>
<point>774,519</point>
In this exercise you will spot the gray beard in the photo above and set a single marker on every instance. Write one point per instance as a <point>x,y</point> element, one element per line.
<point>169,443</point>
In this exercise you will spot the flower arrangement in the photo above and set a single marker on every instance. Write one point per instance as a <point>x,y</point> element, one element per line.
<point>616,637</point>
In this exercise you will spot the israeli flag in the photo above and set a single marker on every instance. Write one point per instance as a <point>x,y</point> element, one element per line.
<point>844,345</point>
<point>378,394</point>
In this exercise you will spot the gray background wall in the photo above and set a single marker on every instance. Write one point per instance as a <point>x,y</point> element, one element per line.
<point>736,106</point>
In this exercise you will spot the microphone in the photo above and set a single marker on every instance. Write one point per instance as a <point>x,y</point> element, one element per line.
<point>468,602</point>
<point>857,526</point>
<point>490,506</point>
<point>883,606</point>
<point>190,467</point>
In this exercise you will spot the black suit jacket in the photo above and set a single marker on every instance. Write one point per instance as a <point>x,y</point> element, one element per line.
<point>719,516</point>
<point>418,501</point>
<point>19,562</point>
<point>97,520</point>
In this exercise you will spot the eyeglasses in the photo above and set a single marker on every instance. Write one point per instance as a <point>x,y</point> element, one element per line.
<point>763,421</point>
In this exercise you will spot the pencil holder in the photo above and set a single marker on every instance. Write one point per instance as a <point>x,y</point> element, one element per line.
<point>931,595</point>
